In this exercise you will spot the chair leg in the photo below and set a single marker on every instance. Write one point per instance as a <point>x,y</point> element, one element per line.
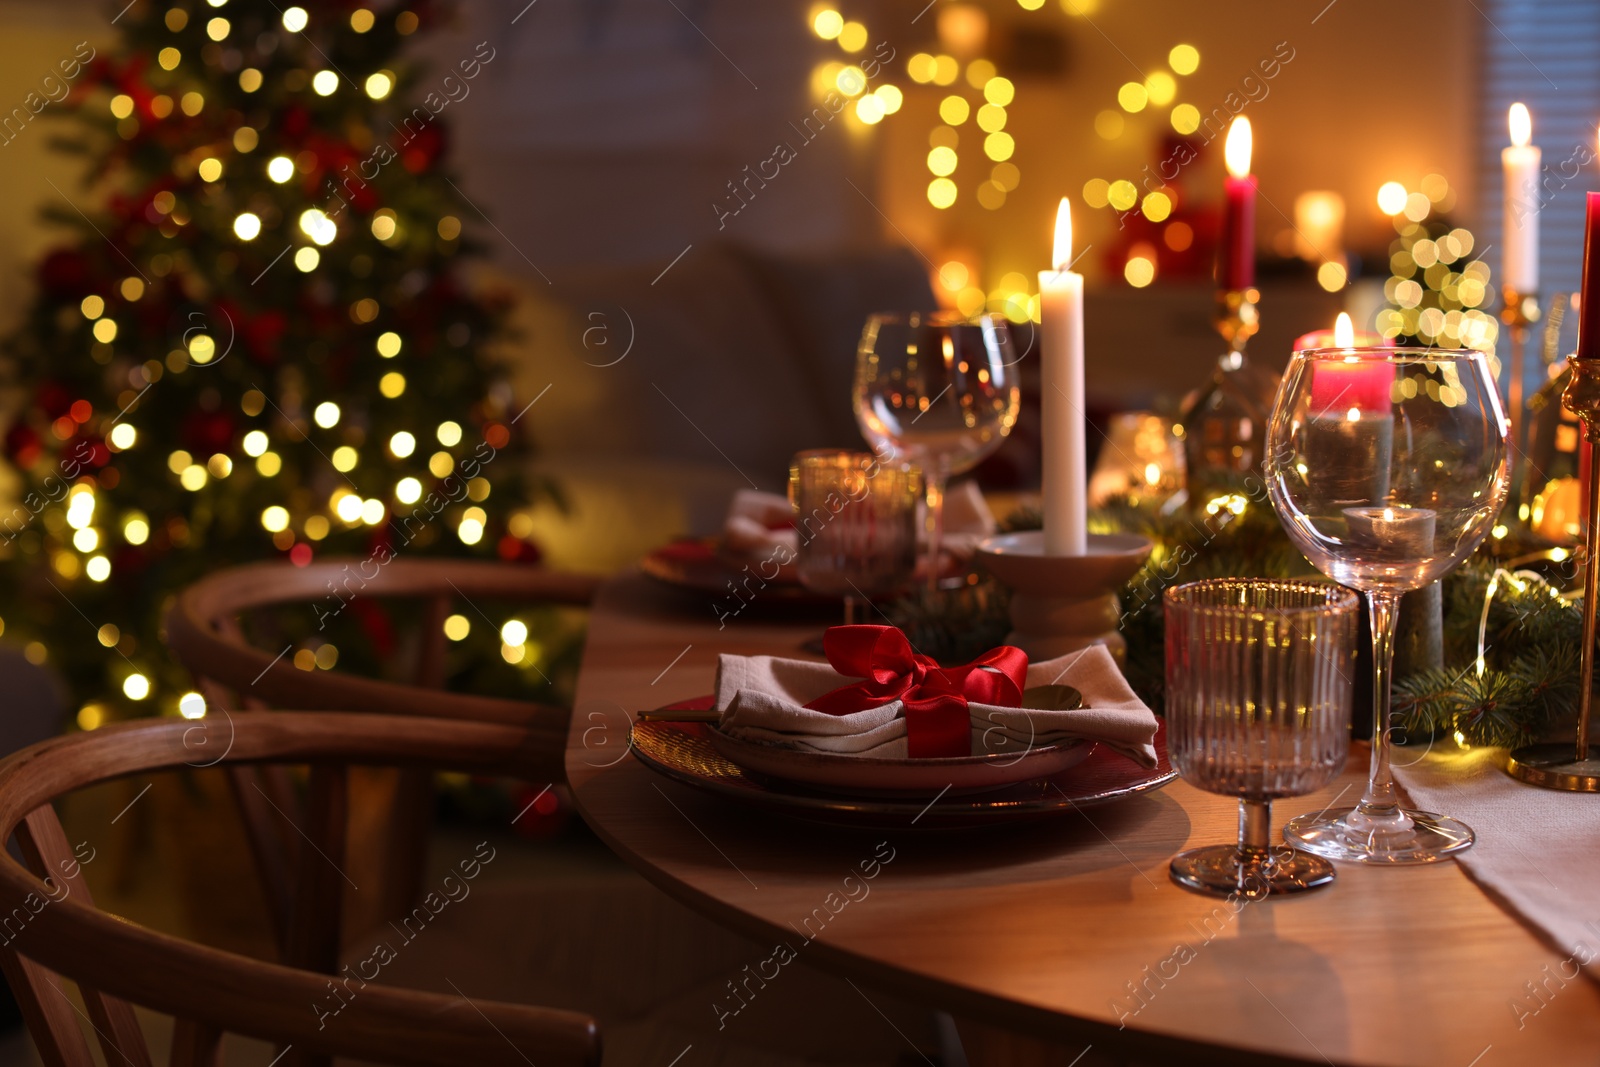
<point>391,813</point>
<point>407,851</point>
<point>313,940</point>
<point>194,1044</point>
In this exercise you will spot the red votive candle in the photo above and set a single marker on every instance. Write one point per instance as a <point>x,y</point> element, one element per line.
<point>1351,390</point>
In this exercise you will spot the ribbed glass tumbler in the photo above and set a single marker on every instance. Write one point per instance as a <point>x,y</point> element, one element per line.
<point>1258,694</point>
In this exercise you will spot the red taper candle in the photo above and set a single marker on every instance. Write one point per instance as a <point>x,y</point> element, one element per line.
<point>1589,293</point>
<point>1236,252</point>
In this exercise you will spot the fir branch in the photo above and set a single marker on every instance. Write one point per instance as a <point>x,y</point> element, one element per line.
<point>1496,708</point>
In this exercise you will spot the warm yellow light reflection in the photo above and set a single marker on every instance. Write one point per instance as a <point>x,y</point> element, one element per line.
<point>1391,198</point>
<point>1140,269</point>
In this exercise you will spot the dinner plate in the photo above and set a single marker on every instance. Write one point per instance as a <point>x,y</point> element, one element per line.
<point>683,752</point>
<point>877,776</point>
<point>705,565</point>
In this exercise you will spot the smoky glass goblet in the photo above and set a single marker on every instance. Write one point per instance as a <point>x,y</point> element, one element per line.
<point>856,521</point>
<point>1258,697</point>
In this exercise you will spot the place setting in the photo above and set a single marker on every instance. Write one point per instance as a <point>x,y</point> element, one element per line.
<point>909,744</point>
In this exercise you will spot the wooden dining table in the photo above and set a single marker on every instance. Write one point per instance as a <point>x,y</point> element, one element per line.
<point>1053,937</point>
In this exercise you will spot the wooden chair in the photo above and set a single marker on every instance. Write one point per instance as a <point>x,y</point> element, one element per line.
<point>53,931</point>
<point>204,632</point>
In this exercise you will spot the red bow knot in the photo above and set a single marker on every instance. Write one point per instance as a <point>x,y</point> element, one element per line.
<point>935,698</point>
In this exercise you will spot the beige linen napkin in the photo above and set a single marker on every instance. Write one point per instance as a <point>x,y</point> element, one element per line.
<point>761,698</point>
<point>758,523</point>
<point>1535,852</point>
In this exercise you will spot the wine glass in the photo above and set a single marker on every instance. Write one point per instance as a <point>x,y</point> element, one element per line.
<point>1387,467</point>
<point>1258,706</point>
<point>856,524</point>
<point>940,389</point>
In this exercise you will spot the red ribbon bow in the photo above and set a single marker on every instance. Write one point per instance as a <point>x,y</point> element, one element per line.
<point>935,698</point>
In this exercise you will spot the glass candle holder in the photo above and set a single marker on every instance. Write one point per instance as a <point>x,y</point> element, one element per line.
<point>1258,695</point>
<point>856,517</point>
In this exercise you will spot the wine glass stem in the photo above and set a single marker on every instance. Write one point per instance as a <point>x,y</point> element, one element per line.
<point>936,478</point>
<point>1379,805</point>
<point>1255,827</point>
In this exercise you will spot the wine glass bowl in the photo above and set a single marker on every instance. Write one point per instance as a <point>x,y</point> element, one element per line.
<point>1387,467</point>
<point>1258,698</point>
<point>939,389</point>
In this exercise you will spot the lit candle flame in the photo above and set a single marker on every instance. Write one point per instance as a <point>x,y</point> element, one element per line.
<point>1344,331</point>
<point>1062,255</point>
<point>1236,150</point>
<point>1521,124</point>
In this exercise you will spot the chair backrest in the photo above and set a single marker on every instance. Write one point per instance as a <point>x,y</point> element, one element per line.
<point>204,632</point>
<point>52,931</point>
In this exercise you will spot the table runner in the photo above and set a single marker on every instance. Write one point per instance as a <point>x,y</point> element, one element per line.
<point>1537,852</point>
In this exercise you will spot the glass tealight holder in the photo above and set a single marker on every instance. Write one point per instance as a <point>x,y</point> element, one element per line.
<point>1258,697</point>
<point>856,521</point>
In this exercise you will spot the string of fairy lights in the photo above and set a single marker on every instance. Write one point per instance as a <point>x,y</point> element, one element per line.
<point>977,93</point>
<point>1436,289</point>
<point>80,529</point>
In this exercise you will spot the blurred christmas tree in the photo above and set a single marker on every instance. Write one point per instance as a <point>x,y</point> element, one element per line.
<point>255,345</point>
<point>1438,284</point>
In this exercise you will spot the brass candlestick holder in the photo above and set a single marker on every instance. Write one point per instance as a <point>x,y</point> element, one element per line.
<point>1552,765</point>
<point>1518,311</point>
<point>1225,420</point>
<point>1237,318</point>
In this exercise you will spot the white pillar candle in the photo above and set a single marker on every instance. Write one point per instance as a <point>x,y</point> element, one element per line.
<point>1519,239</point>
<point>1061,371</point>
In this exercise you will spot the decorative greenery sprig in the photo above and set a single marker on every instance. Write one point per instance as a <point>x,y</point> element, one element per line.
<point>1532,633</point>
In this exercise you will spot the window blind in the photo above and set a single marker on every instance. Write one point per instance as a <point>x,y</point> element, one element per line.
<point>1545,53</point>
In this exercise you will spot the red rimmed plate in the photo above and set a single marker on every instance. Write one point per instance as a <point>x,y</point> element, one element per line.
<point>872,776</point>
<point>684,752</point>
<point>705,565</point>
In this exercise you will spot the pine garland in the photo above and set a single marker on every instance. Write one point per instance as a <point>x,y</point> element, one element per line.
<point>1529,677</point>
<point>954,626</point>
<point>1532,636</point>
